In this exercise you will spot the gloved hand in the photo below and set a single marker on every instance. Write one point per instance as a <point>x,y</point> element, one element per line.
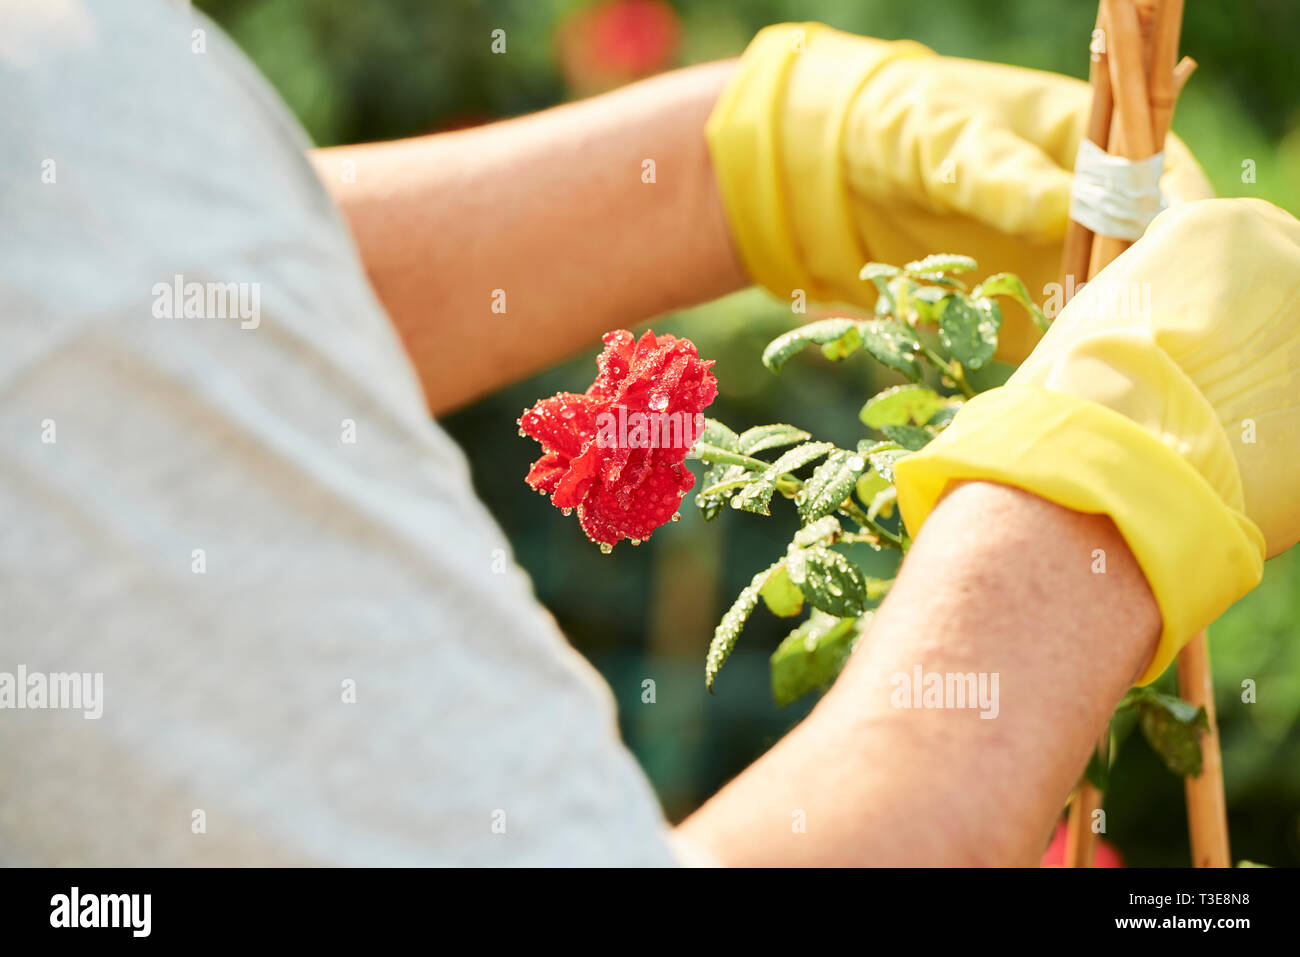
<point>1167,396</point>
<point>832,150</point>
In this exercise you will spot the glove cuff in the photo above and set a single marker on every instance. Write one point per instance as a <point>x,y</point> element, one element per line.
<point>1198,554</point>
<point>776,139</point>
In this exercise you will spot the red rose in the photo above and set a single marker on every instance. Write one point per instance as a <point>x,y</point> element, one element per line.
<point>617,452</point>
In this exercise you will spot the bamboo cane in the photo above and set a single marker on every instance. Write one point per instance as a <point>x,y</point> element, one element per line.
<point>1207,810</point>
<point>1143,87</point>
<point>1131,131</point>
<point>1078,237</point>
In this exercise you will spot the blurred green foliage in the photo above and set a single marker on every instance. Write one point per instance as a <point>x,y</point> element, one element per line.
<point>355,71</point>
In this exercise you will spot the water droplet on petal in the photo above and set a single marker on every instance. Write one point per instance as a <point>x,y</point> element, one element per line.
<point>735,503</point>
<point>566,512</point>
<point>856,463</point>
<point>567,412</point>
<point>635,542</point>
<point>606,548</point>
<point>658,403</point>
<point>677,516</point>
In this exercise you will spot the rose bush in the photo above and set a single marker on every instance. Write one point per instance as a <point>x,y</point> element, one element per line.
<point>929,327</point>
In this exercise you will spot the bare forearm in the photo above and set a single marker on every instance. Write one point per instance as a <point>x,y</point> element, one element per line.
<point>999,582</point>
<point>550,217</point>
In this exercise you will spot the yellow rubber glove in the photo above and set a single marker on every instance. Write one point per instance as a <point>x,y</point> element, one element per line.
<point>832,150</point>
<point>1167,396</point>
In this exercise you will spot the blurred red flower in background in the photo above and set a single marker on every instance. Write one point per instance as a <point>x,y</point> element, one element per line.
<point>608,44</point>
<point>1104,855</point>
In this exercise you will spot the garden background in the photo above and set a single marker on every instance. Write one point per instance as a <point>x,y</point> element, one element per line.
<point>359,70</point>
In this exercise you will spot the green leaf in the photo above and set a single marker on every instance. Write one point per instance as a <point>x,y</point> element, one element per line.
<point>756,496</point>
<point>828,580</point>
<point>885,305</point>
<point>717,480</point>
<point>878,588</point>
<point>883,461</point>
<point>798,457</point>
<point>870,485</point>
<point>728,630</point>
<point>927,301</point>
<point>844,346</point>
<point>901,289</point>
<point>874,271</point>
<point>715,454</point>
<point>763,437</point>
<point>910,437</point>
<point>812,656</point>
<point>1008,284</point>
<point>1173,728</point>
<point>715,433</point>
<point>940,263</point>
<point>721,479</point>
<point>947,283</point>
<point>883,502</point>
<point>831,483</point>
<point>782,597</point>
<point>824,528</point>
<point>1098,770</point>
<point>901,405</point>
<point>822,331</point>
<point>893,344</point>
<point>945,415</point>
<point>969,330</point>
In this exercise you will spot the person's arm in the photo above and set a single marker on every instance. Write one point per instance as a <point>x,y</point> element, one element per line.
<point>999,582</point>
<point>554,211</point>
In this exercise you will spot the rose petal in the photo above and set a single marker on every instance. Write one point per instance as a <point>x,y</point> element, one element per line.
<point>563,423</point>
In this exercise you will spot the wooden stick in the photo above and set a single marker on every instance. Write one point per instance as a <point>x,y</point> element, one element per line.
<point>1207,811</point>
<point>1144,88</point>
<point>1131,133</point>
<point>1128,80</point>
<point>1207,808</point>
<point>1143,85</point>
<point>1164,51</point>
<point>1080,839</point>
<point>1126,98</point>
<point>1078,238</point>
